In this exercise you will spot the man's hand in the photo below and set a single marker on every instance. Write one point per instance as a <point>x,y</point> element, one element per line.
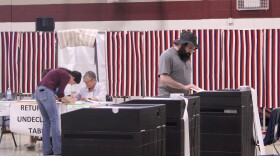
<point>192,86</point>
<point>73,95</point>
<point>189,86</point>
<point>68,99</point>
<point>167,80</point>
<point>83,98</point>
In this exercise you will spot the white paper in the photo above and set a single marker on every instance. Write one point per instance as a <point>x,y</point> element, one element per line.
<point>200,90</point>
<point>257,123</point>
<point>91,101</point>
<point>186,129</point>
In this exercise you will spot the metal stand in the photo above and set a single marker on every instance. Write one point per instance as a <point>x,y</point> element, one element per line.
<point>4,130</point>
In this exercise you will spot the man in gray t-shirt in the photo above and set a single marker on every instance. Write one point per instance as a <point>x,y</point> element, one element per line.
<point>175,66</point>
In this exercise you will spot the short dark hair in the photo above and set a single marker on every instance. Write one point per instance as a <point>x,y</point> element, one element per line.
<point>77,76</point>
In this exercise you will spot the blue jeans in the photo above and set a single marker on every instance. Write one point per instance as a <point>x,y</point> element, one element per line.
<point>48,108</point>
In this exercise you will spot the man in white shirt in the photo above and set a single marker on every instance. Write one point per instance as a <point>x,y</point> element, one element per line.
<point>93,90</point>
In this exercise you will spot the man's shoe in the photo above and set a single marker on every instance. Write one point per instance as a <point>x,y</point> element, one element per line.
<point>31,146</point>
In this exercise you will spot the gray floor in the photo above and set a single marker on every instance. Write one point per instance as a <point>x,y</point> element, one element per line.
<point>7,147</point>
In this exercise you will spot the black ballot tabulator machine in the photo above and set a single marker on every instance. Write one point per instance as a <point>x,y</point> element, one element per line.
<point>116,130</point>
<point>226,123</point>
<point>175,124</point>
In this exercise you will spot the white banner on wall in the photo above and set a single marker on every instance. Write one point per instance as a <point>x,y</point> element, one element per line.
<point>101,57</point>
<point>84,59</point>
<point>80,58</point>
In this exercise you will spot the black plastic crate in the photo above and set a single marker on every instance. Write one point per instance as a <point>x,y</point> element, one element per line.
<point>128,118</point>
<point>175,124</point>
<point>226,123</point>
<point>88,143</point>
<point>226,120</point>
<point>175,141</point>
<point>117,130</point>
<point>231,98</point>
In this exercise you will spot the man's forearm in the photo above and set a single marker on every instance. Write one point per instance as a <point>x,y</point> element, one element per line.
<point>167,80</point>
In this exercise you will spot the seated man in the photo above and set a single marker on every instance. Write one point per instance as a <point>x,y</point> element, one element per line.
<point>93,90</point>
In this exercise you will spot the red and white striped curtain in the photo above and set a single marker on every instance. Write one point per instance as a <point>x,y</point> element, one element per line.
<point>229,59</point>
<point>38,52</point>
<point>124,63</point>
<point>155,42</point>
<point>207,60</point>
<point>271,69</point>
<point>10,61</point>
<point>225,59</point>
<point>132,61</point>
<point>24,55</point>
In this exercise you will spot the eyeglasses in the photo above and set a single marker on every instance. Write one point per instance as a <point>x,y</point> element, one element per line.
<point>89,81</point>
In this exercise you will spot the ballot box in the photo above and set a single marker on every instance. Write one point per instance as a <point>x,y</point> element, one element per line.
<point>226,123</point>
<point>115,130</point>
<point>175,124</point>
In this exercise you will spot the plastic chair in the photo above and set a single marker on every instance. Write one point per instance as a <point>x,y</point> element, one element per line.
<point>4,130</point>
<point>272,132</point>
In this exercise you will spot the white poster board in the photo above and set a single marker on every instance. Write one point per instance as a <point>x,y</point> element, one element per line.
<point>25,118</point>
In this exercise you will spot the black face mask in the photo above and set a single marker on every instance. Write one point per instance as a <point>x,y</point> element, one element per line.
<point>184,56</point>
